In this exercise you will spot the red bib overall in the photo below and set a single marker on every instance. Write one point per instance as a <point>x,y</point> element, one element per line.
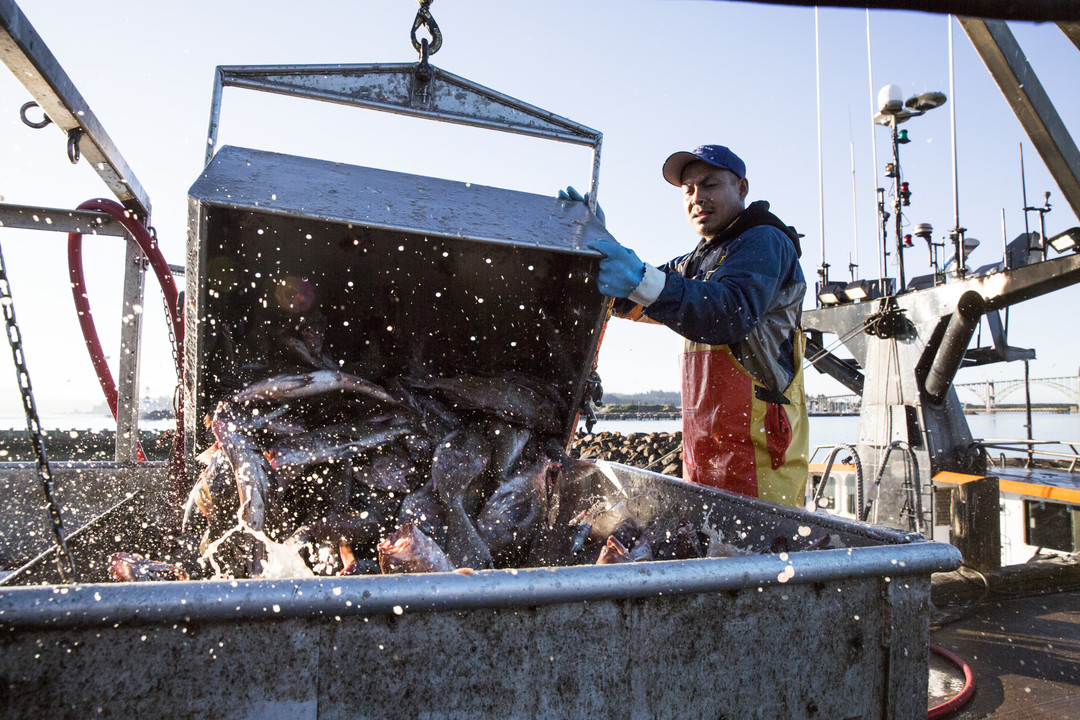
<point>734,439</point>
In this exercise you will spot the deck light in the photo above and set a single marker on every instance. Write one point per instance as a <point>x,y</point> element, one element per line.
<point>1066,241</point>
<point>858,290</point>
<point>832,293</point>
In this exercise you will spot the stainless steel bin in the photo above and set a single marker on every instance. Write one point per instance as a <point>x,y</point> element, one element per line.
<point>838,633</point>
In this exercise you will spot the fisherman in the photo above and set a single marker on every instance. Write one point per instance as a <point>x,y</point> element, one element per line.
<point>736,300</point>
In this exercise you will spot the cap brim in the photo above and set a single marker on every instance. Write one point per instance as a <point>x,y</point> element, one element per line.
<point>675,164</point>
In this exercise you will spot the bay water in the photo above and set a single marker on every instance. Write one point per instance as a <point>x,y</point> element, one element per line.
<point>828,430</point>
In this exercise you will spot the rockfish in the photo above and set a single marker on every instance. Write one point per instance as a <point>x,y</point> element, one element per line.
<point>408,550</point>
<point>132,567</point>
<point>287,387</point>
<point>513,514</point>
<point>459,459</point>
<point>501,397</point>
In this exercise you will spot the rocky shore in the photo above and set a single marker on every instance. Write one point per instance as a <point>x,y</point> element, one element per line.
<point>659,452</point>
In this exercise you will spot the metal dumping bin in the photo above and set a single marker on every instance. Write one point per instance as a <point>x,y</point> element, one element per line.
<point>411,275</point>
<point>837,633</point>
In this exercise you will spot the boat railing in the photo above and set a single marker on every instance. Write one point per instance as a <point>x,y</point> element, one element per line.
<point>1031,450</point>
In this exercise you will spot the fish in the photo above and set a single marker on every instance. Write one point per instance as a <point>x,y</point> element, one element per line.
<point>304,385</point>
<point>675,542</point>
<point>211,494</point>
<point>507,443</point>
<point>307,349</point>
<point>562,537</point>
<point>613,552</point>
<point>132,567</point>
<point>459,459</point>
<point>357,528</point>
<point>501,397</point>
<point>250,468</point>
<point>409,550</point>
<point>512,516</point>
<point>293,454</point>
<point>642,551</point>
<point>423,509</point>
<point>390,471</point>
<point>627,543</point>
<point>352,565</point>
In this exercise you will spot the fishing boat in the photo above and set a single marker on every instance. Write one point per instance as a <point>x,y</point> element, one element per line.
<point>550,642</point>
<point>915,463</point>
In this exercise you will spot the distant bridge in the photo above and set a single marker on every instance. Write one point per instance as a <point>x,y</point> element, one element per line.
<point>990,392</point>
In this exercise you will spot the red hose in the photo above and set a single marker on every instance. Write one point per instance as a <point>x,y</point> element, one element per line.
<point>960,699</point>
<point>86,320</point>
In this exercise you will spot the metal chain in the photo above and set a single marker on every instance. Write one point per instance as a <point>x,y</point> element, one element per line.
<point>424,18</point>
<point>65,563</point>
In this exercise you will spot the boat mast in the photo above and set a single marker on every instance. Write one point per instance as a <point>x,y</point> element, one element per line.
<point>823,271</point>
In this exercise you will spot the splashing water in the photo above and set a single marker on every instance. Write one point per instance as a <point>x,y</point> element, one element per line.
<point>281,561</point>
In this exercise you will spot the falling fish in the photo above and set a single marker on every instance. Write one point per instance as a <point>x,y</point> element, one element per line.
<point>512,515</point>
<point>457,462</point>
<point>500,397</point>
<point>286,387</point>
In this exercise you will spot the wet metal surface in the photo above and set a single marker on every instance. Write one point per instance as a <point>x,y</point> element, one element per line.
<point>1025,654</point>
<point>720,637</point>
<point>414,275</point>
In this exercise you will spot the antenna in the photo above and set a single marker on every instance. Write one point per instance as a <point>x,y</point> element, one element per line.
<point>952,125</point>
<point>824,270</point>
<point>854,208</point>
<point>1023,191</point>
<point>879,237</point>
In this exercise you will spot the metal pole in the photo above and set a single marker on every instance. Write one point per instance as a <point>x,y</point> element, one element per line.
<point>897,206</point>
<point>820,162</point>
<point>1027,407</point>
<point>952,124</point>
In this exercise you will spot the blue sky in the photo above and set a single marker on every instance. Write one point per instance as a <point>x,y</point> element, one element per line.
<point>655,76</point>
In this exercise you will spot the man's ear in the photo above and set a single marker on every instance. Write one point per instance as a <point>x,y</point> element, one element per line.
<point>744,188</point>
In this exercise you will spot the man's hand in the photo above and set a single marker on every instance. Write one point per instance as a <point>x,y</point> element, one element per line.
<point>620,270</point>
<point>571,194</point>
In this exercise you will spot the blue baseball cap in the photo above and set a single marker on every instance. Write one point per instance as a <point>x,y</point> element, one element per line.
<point>716,155</point>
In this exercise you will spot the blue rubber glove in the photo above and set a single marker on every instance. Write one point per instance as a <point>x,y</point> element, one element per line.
<point>620,270</point>
<point>571,194</point>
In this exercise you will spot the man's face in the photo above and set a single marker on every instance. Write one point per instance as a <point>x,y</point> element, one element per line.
<point>712,197</point>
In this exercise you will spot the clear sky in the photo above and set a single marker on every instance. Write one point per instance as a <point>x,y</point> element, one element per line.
<point>655,76</point>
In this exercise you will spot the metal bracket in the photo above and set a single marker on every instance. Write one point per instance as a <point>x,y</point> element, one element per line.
<point>34,65</point>
<point>396,88</point>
